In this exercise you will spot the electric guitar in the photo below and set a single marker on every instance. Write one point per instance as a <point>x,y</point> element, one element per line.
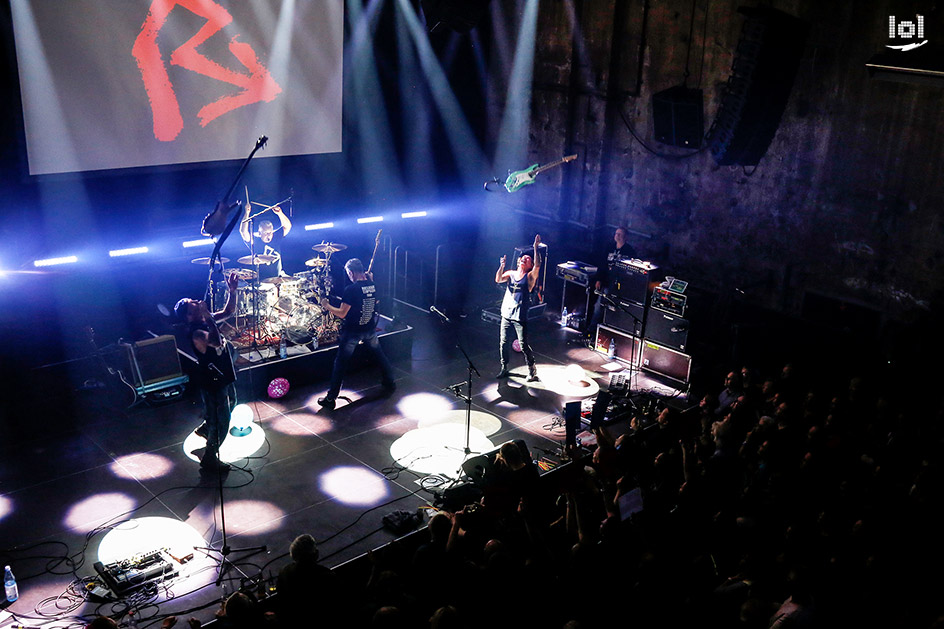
<point>214,223</point>
<point>525,177</point>
<point>376,243</point>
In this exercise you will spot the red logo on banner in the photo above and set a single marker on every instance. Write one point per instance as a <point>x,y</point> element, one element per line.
<point>256,83</point>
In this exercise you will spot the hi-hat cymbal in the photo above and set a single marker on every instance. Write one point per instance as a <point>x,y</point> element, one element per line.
<point>329,247</point>
<point>257,259</point>
<point>279,280</point>
<point>207,260</point>
<point>316,262</point>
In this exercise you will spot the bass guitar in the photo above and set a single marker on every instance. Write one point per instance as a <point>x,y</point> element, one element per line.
<point>376,243</point>
<point>214,223</point>
<point>520,178</point>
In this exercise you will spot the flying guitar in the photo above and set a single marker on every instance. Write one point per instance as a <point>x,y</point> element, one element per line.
<point>214,223</point>
<point>525,177</point>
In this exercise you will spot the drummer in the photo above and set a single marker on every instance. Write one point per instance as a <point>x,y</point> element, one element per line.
<point>268,240</point>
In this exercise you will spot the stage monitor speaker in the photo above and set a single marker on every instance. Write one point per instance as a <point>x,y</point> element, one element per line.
<point>571,423</point>
<point>678,116</point>
<point>624,315</point>
<point>666,328</point>
<point>754,99</point>
<point>157,359</point>
<point>665,361</point>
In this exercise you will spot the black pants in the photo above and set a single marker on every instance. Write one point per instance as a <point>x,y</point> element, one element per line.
<point>521,330</point>
<point>346,346</point>
<point>218,405</point>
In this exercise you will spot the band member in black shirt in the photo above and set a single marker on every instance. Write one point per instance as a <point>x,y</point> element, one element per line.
<point>515,305</point>
<point>215,375</point>
<point>359,325</point>
<point>619,249</point>
<point>268,241</point>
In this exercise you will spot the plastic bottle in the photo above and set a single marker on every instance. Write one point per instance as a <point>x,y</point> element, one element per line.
<point>283,347</point>
<point>563,320</point>
<point>9,584</point>
<point>612,351</point>
<point>132,619</point>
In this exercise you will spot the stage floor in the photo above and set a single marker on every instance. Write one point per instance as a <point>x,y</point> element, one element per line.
<point>301,470</point>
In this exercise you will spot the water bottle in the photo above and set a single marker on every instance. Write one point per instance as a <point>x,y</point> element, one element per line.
<point>612,351</point>
<point>9,584</point>
<point>283,347</point>
<point>132,619</point>
<point>563,320</point>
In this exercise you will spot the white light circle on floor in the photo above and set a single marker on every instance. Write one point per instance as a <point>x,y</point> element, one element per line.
<point>556,378</point>
<point>172,537</point>
<point>6,507</point>
<point>141,466</point>
<point>233,448</point>
<point>486,423</point>
<point>417,405</point>
<point>356,486</point>
<point>439,449</point>
<point>98,509</point>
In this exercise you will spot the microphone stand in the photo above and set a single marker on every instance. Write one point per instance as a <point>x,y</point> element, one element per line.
<point>637,323</point>
<point>467,397</point>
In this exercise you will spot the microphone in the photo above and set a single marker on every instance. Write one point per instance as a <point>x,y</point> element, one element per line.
<point>439,312</point>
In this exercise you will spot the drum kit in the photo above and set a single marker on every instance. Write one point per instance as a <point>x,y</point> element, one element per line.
<point>282,306</point>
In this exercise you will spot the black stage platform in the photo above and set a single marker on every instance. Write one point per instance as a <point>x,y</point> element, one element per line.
<point>88,472</point>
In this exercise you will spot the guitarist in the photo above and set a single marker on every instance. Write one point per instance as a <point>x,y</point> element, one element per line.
<point>358,312</point>
<point>269,240</point>
<point>216,374</point>
<point>515,306</point>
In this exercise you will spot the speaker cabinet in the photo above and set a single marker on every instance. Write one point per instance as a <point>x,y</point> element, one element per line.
<point>157,359</point>
<point>624,315</point>
<point>627,345</point>
<point>678,116</point>
<point>665,361</point>
<point>755,97</point>
<point>667,329</point>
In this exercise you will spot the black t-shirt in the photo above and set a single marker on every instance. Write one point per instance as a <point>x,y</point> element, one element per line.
<point>613,253</point>
<point>361,296</point>
<point>216,369</point>
<point>271,248</point>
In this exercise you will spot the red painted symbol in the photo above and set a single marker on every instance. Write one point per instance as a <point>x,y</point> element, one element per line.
<point>256,84</point>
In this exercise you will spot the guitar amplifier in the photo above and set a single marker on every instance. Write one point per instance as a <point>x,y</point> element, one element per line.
<point>629,279</point>
<point>620,315</point>
<point>667,328</point>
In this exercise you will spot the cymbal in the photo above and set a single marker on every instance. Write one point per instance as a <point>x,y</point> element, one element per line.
<point>316,262</point>
<point>260,258</point>
<point>207,260</point>
<point>245,274</point>
<point>329,247</point>
<point>279,280</point>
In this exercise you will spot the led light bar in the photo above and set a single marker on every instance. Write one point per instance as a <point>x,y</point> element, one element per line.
<point>55,261</point>
<point>308,228</point>
<point>117,253</point>
<point>199,243</point>
<point>370,219</point>
<point>412,214</point>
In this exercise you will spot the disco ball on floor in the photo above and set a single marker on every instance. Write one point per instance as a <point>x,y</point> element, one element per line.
<point>278,388</point>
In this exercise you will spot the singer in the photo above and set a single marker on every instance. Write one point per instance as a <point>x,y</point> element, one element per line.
<point>515,305</point>
<point>216,374</point>
<point>359,325</point>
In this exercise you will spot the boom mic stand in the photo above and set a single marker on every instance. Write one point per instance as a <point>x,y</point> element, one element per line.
<point>637,325</point>
<point>467,396</point>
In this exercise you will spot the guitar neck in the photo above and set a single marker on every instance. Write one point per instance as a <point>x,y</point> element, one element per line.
<point>553,164</point>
